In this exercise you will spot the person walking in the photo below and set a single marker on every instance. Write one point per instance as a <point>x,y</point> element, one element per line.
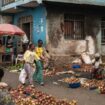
<point>43,54</point>
<point>29,58</point>
<point>38,74</point>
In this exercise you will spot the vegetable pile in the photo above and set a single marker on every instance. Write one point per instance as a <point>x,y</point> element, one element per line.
<point>31,96</point>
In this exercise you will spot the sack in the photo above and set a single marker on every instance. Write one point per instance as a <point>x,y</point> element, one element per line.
<point>86,58</point>
<point>77,61</point>
<point>22,76</point>
<point>91,45</point>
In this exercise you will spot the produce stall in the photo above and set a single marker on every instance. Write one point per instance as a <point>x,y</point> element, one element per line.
<point>9,42</point>
<point>74,76</point>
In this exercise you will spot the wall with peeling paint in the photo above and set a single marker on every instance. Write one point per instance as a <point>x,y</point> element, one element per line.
<point>59,46</point>
<point>57,43</point>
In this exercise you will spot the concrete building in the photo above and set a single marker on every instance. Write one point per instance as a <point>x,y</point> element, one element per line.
<point>62,24</point>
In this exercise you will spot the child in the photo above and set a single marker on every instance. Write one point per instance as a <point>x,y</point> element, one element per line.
<point>29,58</point>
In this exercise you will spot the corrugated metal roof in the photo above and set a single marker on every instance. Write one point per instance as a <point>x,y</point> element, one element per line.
<point>89,2</point>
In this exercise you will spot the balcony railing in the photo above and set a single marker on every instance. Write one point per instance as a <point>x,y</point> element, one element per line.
<point>6,2</point>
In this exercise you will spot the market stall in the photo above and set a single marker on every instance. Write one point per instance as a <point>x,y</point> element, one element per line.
<point>10,43</point>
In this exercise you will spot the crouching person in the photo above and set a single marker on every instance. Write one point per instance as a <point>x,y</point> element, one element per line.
<point>96,66</point>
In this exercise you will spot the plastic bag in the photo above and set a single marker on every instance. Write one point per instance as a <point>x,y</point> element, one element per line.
<point>22,76</point>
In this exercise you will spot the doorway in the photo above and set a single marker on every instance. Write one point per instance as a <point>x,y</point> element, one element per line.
<point>26,28</point>
<point>26,23</point>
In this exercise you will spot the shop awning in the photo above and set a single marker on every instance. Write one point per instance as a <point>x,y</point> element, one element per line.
<point>9,29</point>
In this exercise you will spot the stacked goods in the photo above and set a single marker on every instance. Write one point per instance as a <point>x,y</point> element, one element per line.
<point>81,67</point>
<point>71,80</point>
<point>65,103</point>
<point>91,84</point>
<point>86,68</point>
<point>57,70</point>
<point>101,87</point>
<point>69,66</point>
<point>31,96</point>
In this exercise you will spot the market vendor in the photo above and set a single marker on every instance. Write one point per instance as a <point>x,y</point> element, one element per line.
<point>9,44</point>
<point>2,48</point>
<point>96,65</point>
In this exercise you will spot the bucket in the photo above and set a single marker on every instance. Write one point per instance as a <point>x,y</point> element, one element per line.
<point>74,85</point>
<point>75,66</point>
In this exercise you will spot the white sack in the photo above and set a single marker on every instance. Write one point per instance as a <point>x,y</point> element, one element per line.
<point>77,60</point>
<point>91,45</point>
<point>22,76</point>
<point>86,58</point>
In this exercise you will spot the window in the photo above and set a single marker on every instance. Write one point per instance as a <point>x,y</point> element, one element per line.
<point>74,27</point>
<point>103,31</point>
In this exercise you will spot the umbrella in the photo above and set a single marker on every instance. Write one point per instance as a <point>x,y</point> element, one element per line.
<point>9,29</point>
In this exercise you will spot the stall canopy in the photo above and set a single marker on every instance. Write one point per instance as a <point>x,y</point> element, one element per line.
<point>9,29</point>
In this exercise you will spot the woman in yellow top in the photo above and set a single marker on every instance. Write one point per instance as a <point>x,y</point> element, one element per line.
<point>38,74</point>
<point>39,49</point>
<point>42,53</point>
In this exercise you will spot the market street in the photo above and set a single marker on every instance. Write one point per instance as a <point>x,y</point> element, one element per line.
<point>82,95</point>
